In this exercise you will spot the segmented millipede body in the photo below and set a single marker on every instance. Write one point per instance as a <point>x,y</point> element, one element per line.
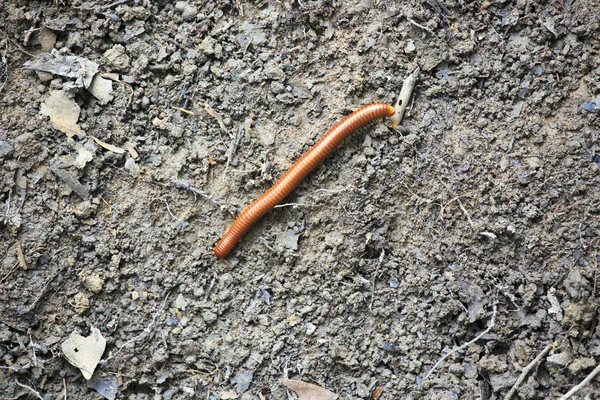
<point>297,172</point>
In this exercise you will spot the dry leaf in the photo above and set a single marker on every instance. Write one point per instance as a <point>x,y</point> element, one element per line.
<point>78,68</point>
<point>228,395</point>
<point>101,89</point>
<point>83,157</point>
<point>109,147</point>
<point>84,352</point>
<point>131,149</point>
<point>308,391</point>
<point>63,113</point>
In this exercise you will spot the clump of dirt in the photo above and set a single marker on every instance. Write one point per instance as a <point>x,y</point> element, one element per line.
<point>472,231</point>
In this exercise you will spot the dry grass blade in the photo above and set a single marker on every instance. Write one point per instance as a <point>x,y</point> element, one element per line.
<point>308,391</point>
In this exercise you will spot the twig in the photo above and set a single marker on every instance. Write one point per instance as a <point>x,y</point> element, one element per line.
<point>10,272</point>
<point>412,21</point>
<point>462,208</point>
<point>116,3</point>
<point>491,324</point>
<point>31,389</point>
<point>65,385</point>
<point>404,98</point>
<point>146,330</point>
<point>170,213</point>
<point>4,67</point>
<point>582,384</point>
<point>36,19</point>
<point>211,111</point>
<point>233,146</point>
<point>294,205</point>
<point>532,365</point>
<point>24,310</point>
<point>182,110</point>
<point>186,185</point>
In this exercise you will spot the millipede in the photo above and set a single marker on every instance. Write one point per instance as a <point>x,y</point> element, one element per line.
<point>310,160</point>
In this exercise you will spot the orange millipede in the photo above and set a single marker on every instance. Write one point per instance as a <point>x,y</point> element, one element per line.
<point>297,172</point>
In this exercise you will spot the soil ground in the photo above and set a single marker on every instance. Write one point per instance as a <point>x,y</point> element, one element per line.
<point>478,220</point>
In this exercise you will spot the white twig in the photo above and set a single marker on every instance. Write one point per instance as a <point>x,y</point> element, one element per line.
<point>491,324</point>
<point>31,389</point>
<point>294,205</point>
<point>464,210</point>
<point>170,213</point>
<point>583,383</point>
<point>532,365</point>
<point>412,21</point>
<point>404,98</point>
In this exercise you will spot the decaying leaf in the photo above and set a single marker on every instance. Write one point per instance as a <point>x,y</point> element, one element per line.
<point>78,68</point>
<point>83,157</point>
<point>101,89</point>
<point>109,147</point>
<point>308,391</point>
<point>63,113</point>
<point>84,352</point>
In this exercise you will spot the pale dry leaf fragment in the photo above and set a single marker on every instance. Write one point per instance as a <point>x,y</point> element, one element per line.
<point>83,157</point>
<point>308,391</point>
<point>84,352</point>
<point>78,68</point>
<point>132,151</point>
<point>101,89</point>
<point>63,113</point>
<point>231,394</point>
<point>109,147</point>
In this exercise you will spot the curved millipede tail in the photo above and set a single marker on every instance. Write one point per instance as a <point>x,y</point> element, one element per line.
<point>297,172</point>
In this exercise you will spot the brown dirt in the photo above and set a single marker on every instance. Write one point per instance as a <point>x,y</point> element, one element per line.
<point>399,247</point>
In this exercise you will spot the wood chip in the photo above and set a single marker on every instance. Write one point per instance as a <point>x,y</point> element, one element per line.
<point>109,147</point>
<point>308,391</point>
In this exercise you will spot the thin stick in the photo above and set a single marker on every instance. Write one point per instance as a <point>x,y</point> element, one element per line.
<point>65,385</point>
<point>491,324</point>
<point>404,98</point>
<point>116,3</point>
<point>531,366</point>
<point>24,310</point>
<point>294,205</point>
<point>583,383</point>
<point>31,389</point>
<point>463,209</point>
<point>186,185</point>
<point>183,110</point>
<point>412,21</point>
